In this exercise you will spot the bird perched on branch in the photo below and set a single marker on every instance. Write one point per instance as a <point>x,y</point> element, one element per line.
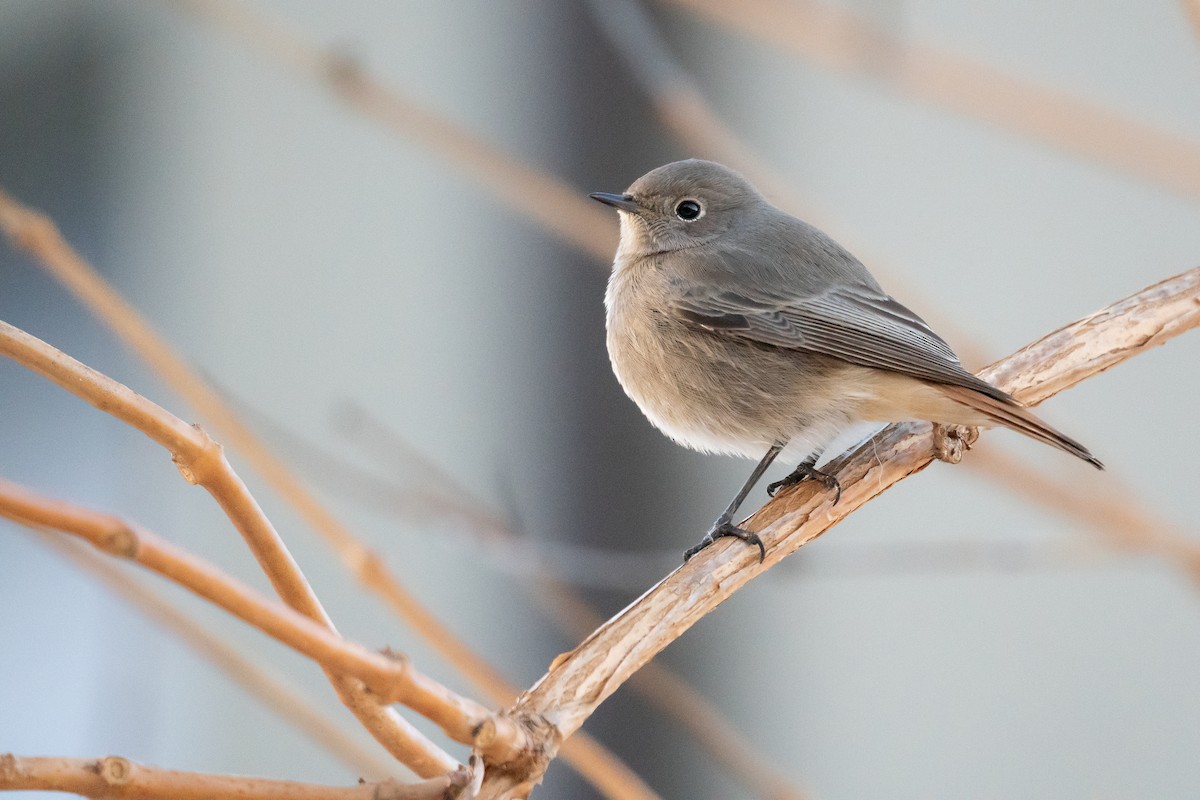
<point>739,329</point>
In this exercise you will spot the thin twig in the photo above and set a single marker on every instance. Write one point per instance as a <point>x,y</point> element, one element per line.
<point>579,681</point>
<point>272,690</point>
<point>656,683</point>
<point>392,679</point>
<point>113,778</point>
<point>530,192</point>
<point>37,234</point>
<point>843,41</point>
<point>1192,9</point>
<point>202,461</point>
<point>684,111</point>
<point>1111,513</point>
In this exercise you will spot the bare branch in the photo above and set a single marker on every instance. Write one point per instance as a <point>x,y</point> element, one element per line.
<point>273,690</point>
<point>1192,9</point>
<point>579,681</point>
<point>390,678</point>
<point>542,198</point>
<point>39,235</point>
<point>656,683</point>
<point>115,777</point>
<point>201,460</point>
<point>1109,513</point>
<point>682,108</point>
<point>843,41</point>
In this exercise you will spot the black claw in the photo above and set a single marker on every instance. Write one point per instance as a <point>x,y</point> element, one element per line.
<point>697,547</point>
<point>806,472</point>
<point>724,527</point>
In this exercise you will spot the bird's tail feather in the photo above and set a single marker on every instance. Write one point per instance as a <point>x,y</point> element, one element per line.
<point>1012,415</point>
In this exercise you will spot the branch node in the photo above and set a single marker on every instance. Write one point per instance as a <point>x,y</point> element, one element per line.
<point>518,744</point>
<point>122,542</point>
<point>203,461</point>
<point>114,770</point>
<point>951,441</point>
<point>400,658</point>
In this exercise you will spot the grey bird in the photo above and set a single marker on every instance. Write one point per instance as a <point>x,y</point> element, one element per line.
<point>740,329</point>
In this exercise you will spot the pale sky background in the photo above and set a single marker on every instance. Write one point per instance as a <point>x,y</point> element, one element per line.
<point>950,640</point>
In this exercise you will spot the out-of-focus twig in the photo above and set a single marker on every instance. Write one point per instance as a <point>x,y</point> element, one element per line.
<point>37,234</point>
<point>116,778</point>
<point>1192,9</point>
<point>842,41</point>
<point>530,192</point>
<point>201,460</point>
<point>658,684</point>
<point>392,680</point>
<point>273,690</point>
<point>684,111</point>
<point>577,682</point>
<point>1110,513</point>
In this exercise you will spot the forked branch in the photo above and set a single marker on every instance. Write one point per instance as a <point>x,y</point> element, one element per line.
<point>579,681</point>
<point>202,461</point>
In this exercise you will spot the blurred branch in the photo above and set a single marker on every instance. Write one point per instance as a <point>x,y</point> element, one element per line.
<point>842,41</point>
<point>577,682</point>
<point>579,566</point>
<point>391,679</point>
<point>284,700</point>
<point>532,193</point>
<point>685,112</point>
<point>113,778</point>
<point>680,104</point>
<point>200,459</point>
<point>37,234</point>
<point>656,683</point>
<point>1192,9</point>
<point>1109,511</point>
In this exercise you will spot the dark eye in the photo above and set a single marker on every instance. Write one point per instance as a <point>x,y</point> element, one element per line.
<point>688,210</point>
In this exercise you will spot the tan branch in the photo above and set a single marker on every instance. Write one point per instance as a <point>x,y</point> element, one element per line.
<point>288,702</point>
<point>683,110</point>
<point>1110,513</point>
<point>1192,9</point>
<point>843,41</point>
<point>391,679</point>
<point>114,778</point>
<point>202,461</point>
<point>579,681</point>
<point>532,193</point>
<point>38,235</point>
<point>655,683</point>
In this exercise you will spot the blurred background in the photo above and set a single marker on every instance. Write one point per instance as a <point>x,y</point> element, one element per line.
<point>422,340</point>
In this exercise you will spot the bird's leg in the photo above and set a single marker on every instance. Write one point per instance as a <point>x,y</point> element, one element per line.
<point>806,470</point>
<point>724,525</point>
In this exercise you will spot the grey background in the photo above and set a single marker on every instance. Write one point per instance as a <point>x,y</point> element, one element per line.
<point>304,258</point>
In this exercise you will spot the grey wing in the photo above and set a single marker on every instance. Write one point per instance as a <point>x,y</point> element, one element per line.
<point>857,324</point>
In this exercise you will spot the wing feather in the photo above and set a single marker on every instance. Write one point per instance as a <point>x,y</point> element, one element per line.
<point>857,324</point>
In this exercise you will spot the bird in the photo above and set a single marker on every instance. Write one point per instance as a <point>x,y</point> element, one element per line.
<point>740,329</point>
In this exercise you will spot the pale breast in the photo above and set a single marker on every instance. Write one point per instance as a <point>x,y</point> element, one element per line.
<point>712,392</point>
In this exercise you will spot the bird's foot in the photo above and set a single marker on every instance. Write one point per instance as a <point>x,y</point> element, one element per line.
<point>725,527</point>
<point>806,472</point>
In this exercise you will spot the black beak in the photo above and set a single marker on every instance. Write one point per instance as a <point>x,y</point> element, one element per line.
<point>624,202</point>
